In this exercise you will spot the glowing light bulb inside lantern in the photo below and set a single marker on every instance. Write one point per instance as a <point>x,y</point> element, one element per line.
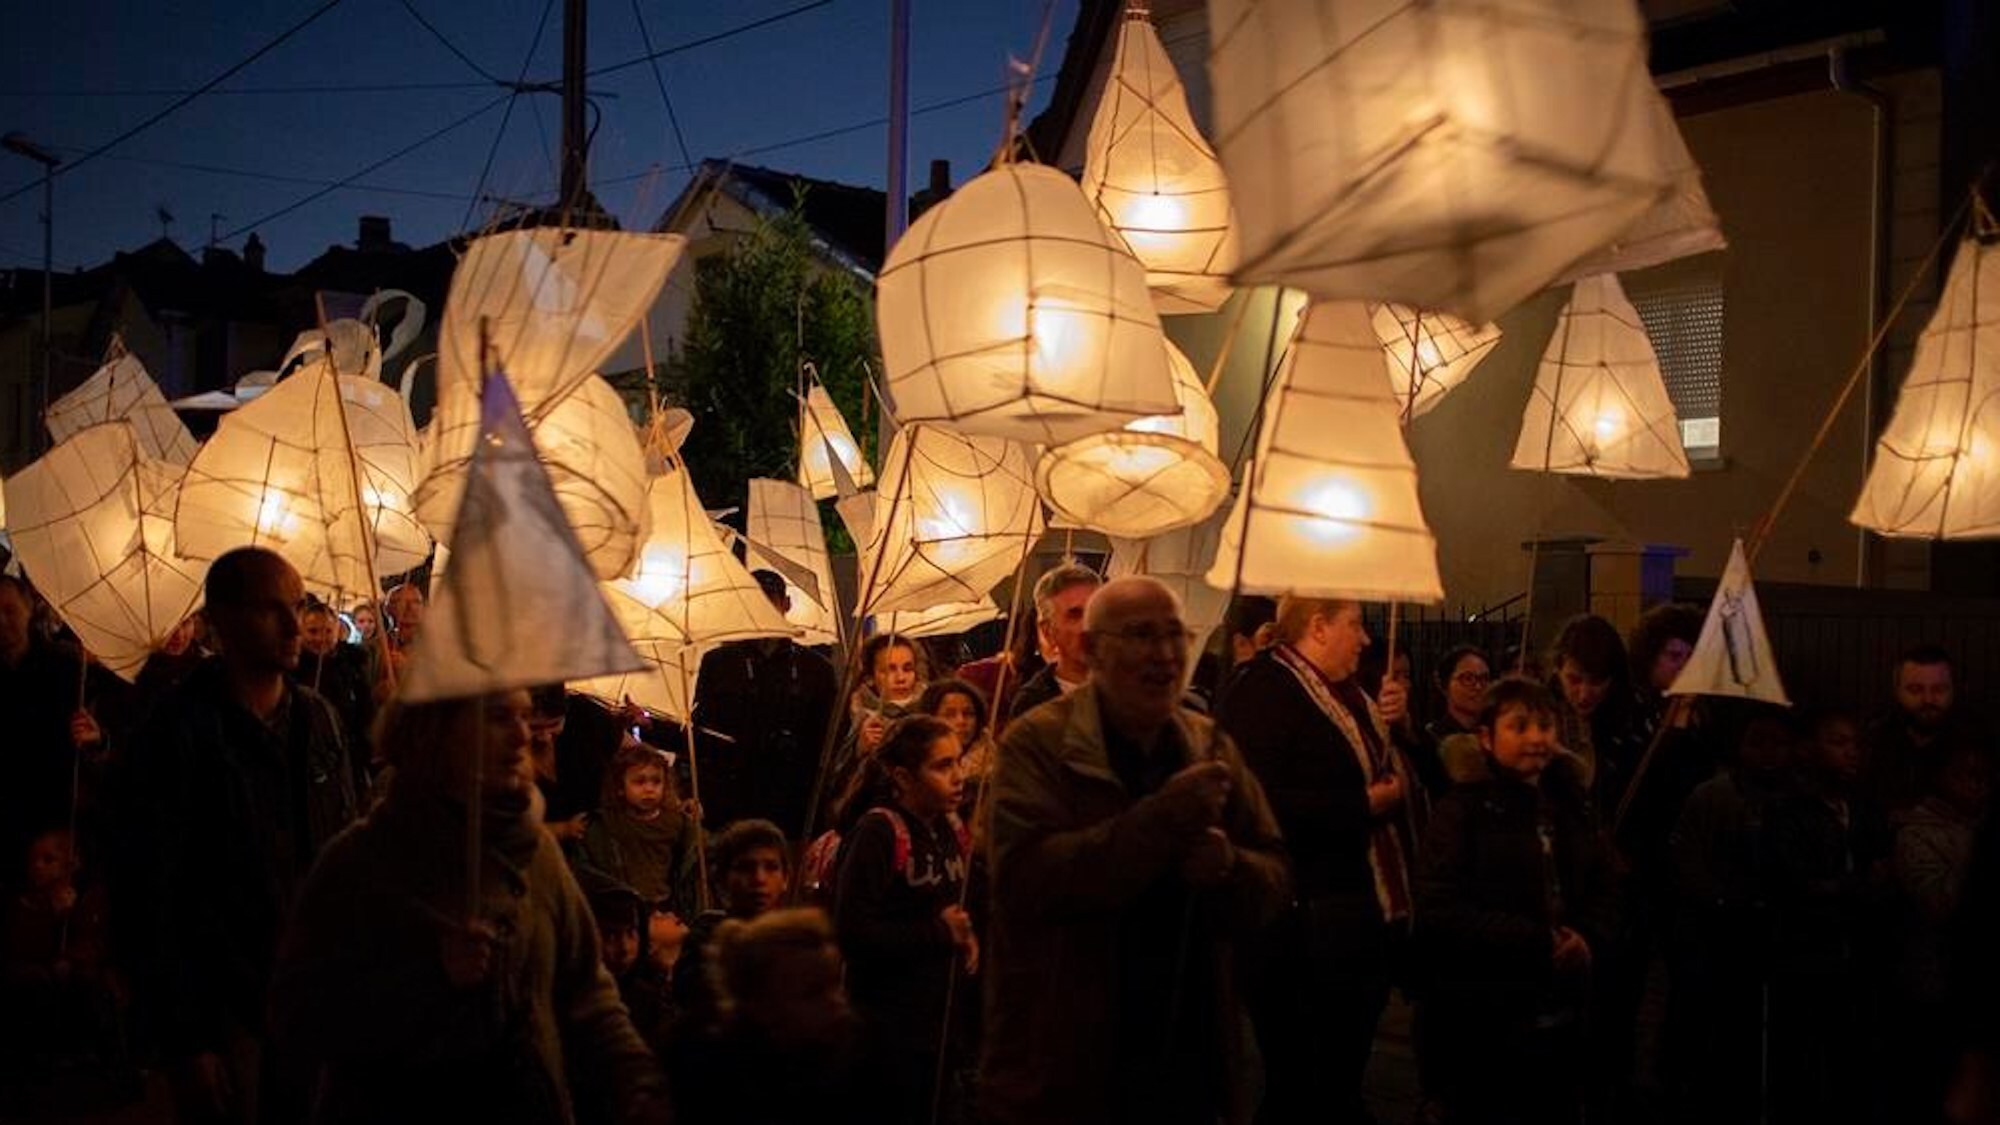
<point>661,576</point>
<point>1428,357</point>
<point>1607,428</point>
<point>274,519</point>
<point>1332,511</point>
<point>1153,223</point>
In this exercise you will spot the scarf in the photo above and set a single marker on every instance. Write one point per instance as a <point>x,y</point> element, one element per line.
<point>1387,859</point>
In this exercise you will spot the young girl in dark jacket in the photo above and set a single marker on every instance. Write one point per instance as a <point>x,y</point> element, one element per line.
<point>1514,903</point>
<point>902,863</point>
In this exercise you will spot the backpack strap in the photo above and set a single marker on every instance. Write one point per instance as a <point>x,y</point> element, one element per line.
<point>901,856</point>
<point>963,832</point>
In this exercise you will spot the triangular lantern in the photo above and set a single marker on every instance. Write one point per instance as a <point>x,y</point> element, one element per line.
<point>1454,156</point>
<point>1600,390</point>
<point>663,686</point>
<point>1155,180</point>
<point>1732,656</point>
<point>1152,476</point>
<point>519,606</point>
<point>783,520</point>
<point>1009,311</point>
<point>1181,559</point>
<point>1329,506</point>
<point>93,526</point>
<point>953,518</point>
<point>121,390</point>
<point>690,587</point>
<point>824,439</point>
<point>1937,464</point>
<point>946,620</point>
<point>1429,353</point>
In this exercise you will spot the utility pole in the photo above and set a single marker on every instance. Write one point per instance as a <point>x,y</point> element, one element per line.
<point>575,36</point>
<point>20,145</point>
<point>897,216</point>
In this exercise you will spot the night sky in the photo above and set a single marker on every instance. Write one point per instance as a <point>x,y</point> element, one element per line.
<point>77,74</point>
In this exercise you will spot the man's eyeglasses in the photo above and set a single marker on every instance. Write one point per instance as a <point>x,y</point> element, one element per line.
<point>1472,679</point>
<point>1148,636</point>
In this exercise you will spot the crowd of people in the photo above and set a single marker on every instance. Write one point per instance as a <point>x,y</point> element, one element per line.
<point>1087,879</point>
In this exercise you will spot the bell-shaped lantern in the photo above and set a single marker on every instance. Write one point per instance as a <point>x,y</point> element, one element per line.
<point>1429,353</point>
<point>93,527</point>
<point>1181,559</point>
<point>690,587</point>
<point>1937,464</point>
<point>1600,406</point>
<point>519,606</point>
<point>1450,156</point>
<point>823,439</point>
<point>1156,181</point>
<point>1152,476</point>
<point>121,390</point>
<point>952,518</point>
<point>782,529</point>
<point>1329,506</point>
<point>1009,311</point>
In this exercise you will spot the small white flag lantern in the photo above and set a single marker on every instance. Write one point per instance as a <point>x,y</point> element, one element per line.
<point>1329,506</point>
<point>1937,464</point>
<point>823,439</point>
<point>782,519</point>
<point>1599,389</point>
<point>121,390</point>
<point>1152,476</point>
<point>1732,656</point>
<point>1429,353</point>
<point>1156,181</point>
<point>953,516</point>
<point>1447,154</point>
<point>1009,311</point>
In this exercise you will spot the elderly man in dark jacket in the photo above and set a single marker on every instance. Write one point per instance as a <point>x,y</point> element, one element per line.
<point>1128,845</point>
<point>239,779</point>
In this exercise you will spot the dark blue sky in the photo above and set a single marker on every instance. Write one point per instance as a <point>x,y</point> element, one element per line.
<point>77,74</point>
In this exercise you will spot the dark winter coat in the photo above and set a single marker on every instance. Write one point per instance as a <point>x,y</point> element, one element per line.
<point>771,701</point>
<point>655,858</point>
<point>899,953</point>
<point>1035,691</point>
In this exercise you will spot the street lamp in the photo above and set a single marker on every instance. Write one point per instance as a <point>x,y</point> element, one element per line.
<point>20,145</point>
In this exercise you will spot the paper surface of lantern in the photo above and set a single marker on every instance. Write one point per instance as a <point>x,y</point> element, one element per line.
<point>1680,225</point>
<point>663,686</point>
<point>953,515</point>
<point>1181,559</point>
<point>1733,656</point>
<point>1457,156</point>
<point>824,438</point>
<point>1429,353</point>
<point>519,605</point>
<point>1008,310</point>
<point>1329,506</point>
<point>946,620</point>
<point>385,448</point>
<point>782,518</point>
<point>1599,387</point>
<point>121,390</point>
<point>1152,476</point>
<point>1156,181</point>
<point>93,527</point>
<point>691,587</point>
<point>1937,464</point>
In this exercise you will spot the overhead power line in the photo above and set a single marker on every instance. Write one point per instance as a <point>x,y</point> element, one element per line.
<point>493,151</point>
<point>705,40</point>
<point>279,178</point>
<point>660,80</point>
<point>448,44</point>
<point>316,88</point>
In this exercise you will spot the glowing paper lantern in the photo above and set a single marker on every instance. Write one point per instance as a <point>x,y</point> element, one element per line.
<point>519,606</point>
<point>946,620</point>
<point>663,686</point>
<point>952,518</point>
<point>689,586</point>
<point>1329,507</point>
<point>1429,353</point>
<point>1180,558</point>
<point>1009,311</point>
<point>93,527</point>
<point>1732,656</point>
<point>1156,181</point>
<point>1456,155</point>
<point>1599,387</point>
<point>385,448</point>
<point>1154,475</point>
<point>1680,225</point>
<point>1937,465</point>
<point>823,438</point>
<point>783,521</point>
<point>122,391</point>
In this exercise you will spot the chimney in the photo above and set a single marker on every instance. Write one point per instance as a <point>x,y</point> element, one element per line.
<point>933,193</point>
<point>374,233</point>
<point>253,253</point>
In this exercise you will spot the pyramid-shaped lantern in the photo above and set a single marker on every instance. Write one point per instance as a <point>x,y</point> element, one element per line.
<point>519,605</point>
<point>1181,559</point>
<point>1600,390</point>
<point>952,519</point>
<point>1733,656</point>
<point>1152,476</point>
<point>93,526</point>
<point>1429,353</point>
<point>1937,465</point>
<point>1156,181</point>
<point>121,390</point>
<point>1454,156</point>
<point>1008,310</point>
<point>781,520</point>
<point>690,587</point>
<point>824,438</point>
<point>1329,507</point>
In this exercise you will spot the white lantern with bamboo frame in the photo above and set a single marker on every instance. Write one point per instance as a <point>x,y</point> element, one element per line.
<point>953,516</point>
<point>1154,178</point>
<point>1181,559</point>
<point>1429,353</point>
<point>782,531</point>
<point>121,390</point>
<point>1009,311</point>
<point>946,620</point>
<point>693,590</point>
<point>1329,506</point>
<point>824,438</point>
<point>1680,225</point>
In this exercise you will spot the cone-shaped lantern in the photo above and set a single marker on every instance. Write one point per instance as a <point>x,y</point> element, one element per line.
<point>823,439</point>
<point>1429,353</point>
<point>952,518</point>
<point>93,527</point>
<point>692,590</point>
<point>947,620</point>
<point>1152,476</point>
<point>1937,465</point>
<point>1733,655</point>
<point>121,390</point>
<point>783,520</point>
<point>1600,388</point>
<point>1181,559</point>
<point>1156,181</point>
<point>519,606</point>
<point>1008,310</point>
<point>661,687</point>
<point>1680,225</point>
<point>1454,156</point>
<point>1329,507</point>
